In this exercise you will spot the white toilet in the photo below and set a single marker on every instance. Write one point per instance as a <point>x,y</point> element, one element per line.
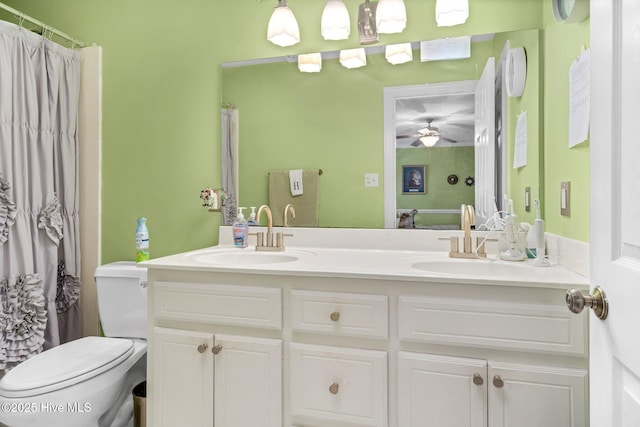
<point>87,382</point>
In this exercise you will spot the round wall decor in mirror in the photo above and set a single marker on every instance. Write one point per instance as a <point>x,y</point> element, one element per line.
<point>452,179</point>
<point>570,11</point>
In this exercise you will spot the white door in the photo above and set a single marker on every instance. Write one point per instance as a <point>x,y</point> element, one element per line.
<point>484,141</point>
<point>615,212</point>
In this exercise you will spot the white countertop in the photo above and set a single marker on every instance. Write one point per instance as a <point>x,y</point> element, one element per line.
<point>432,265</point>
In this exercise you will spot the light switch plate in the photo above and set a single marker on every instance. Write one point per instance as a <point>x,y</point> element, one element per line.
<point>565,198</point>
<point>527,199</point>
<point>370,179</point>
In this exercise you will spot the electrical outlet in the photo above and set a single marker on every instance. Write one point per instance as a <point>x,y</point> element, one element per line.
<point>527,199</point>
<point>565,198</point>
<point>370,179</point>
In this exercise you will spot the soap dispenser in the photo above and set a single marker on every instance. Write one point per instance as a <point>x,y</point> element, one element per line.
<point>240,230</point>
<point>252,216</point>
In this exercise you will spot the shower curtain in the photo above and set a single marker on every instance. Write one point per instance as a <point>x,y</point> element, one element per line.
<point>229,157</point>
<point>39,226</point>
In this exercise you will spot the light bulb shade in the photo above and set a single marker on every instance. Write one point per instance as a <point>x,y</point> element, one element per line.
<point>335,23</point>
<point>451,12</point>
<point>353,58</point>
<point>283,28</point>
<point>391,16</point>
<point>310,62</point>
<point>429,140</point>
<point>398,53</point>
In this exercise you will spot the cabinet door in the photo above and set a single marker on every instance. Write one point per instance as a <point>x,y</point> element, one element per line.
<point>248,382</point>
<point>441,391</point>
<point>537,396</point>
<point>181,392</point>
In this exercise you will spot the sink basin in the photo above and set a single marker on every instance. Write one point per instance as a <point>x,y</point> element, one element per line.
<point>244,257</point>
<point>474,268</point>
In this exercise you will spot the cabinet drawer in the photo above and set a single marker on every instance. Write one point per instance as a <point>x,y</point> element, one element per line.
<point>339,384</point>
<point>340,313</point>
<point>221,304</point>
<point>525,327</point>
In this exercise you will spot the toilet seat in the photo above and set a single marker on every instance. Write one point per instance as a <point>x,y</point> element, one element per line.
<point>65,365</point>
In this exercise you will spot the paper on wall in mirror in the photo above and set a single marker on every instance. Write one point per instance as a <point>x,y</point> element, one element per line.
<point>579,98</point>
<point>520,152</point>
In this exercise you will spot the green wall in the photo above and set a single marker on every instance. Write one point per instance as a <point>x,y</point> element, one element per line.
<point>162,91</point>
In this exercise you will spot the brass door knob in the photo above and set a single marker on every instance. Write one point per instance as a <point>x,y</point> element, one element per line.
<point>577,301</point>
<point>477,379</point>
<point>216,349</point>
<point>333,388</point>
<point>335,316</point>
<point>202,348</point>
<point>497,381</point>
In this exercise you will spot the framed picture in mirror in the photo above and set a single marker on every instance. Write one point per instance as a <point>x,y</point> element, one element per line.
<point>414,179</point>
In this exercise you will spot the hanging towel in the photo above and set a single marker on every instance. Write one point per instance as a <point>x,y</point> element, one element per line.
<point>305,205</point>
<point>295,182</point>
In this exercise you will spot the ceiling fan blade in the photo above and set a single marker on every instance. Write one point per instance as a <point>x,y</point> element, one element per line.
<point>417,143</point>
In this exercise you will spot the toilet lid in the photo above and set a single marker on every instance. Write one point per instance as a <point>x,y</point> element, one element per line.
<point>65,365</point>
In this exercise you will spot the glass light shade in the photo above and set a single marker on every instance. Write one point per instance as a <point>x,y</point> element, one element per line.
<point>335,23</point>
<point>283,28</point>
<point>398,53</point>
<point>391,16</point>
<point>353,58</point>
<point>429,140</point>
<point>451,12</point>
<point>310,62</point>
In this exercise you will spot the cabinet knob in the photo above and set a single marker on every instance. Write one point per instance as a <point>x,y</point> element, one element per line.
<point>333,388</point>
<point>216,349</point>
<point>576,301</point>
<point>202,348</point>
<point>497,382</point>
<point>335,316</point>
<point>477,379</point>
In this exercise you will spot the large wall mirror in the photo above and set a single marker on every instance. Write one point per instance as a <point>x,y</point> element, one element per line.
<point>334,120</point>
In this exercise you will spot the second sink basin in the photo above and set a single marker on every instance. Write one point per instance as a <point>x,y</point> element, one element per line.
<point>244,257</point>
<point>476,268</point>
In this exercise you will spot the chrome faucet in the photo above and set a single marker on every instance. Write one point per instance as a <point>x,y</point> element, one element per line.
<point>288,208</point>
<point>267,244</point>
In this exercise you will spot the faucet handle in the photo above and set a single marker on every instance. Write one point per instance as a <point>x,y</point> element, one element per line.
<point>280,239</point>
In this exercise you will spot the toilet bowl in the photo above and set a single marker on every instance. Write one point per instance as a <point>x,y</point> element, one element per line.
<point>86,382</point>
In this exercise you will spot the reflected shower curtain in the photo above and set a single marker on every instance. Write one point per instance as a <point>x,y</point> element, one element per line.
<point>229,157</point>
<point>39,241</point>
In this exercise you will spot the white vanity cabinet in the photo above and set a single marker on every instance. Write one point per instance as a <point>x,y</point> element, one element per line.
<point>342,349</point>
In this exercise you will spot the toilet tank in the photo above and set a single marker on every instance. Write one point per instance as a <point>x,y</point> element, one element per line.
<point>122,299</point>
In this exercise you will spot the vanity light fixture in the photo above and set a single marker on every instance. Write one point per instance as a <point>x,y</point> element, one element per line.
<point>335,23</point>
<point>451,12</point>
<point>391,16</point>
<point>283,28</point>
<point>398,53</point>
<point>353,58</point>
<point>310,62</point>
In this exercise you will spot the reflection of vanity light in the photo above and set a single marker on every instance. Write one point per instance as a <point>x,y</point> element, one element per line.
<point>283,28</point>
<point>335,23</point>
<point>429,140</point>
<point>398,53</point>
<point>310,62</point>
<point>353,58</point>
<point>451,12</point>
<point>391,16</point>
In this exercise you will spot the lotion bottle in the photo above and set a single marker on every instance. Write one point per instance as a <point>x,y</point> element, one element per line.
<point>252,216</point>
<point>142,240</point>
<point>240,230</point>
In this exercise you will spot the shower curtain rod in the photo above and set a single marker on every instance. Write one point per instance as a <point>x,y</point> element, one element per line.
<point>45,27</point>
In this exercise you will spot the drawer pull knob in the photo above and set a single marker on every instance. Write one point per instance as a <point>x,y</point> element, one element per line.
<point>333,388</point>
<point>477,379</point>
<point>202,348</point>
<point>216,349</point>
<point>497,382</point>
<point>335,316</point>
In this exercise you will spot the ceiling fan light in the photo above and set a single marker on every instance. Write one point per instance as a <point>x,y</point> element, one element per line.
<point>429,140</point>
<point>283,28</point>
<point>451,12</point>
<point>398,53</point>
<point>353,58</point>
<point>335,23</point>
<point>310,63</point>
<point>391,16</point>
